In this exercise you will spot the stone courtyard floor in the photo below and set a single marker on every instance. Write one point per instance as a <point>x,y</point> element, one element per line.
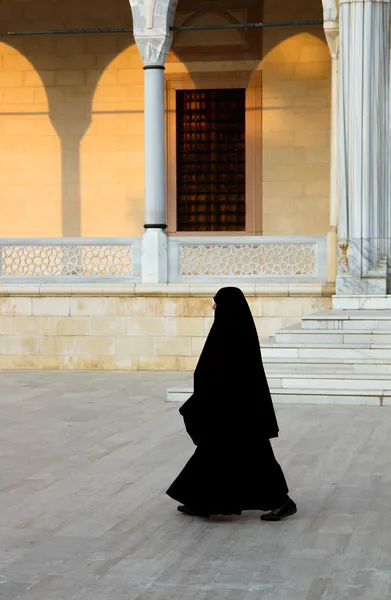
<point>85,459</point>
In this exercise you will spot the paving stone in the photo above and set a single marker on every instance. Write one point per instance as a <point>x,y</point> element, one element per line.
<point>85,461</point>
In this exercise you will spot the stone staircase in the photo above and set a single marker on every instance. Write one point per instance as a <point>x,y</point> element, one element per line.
<point>341,356</point>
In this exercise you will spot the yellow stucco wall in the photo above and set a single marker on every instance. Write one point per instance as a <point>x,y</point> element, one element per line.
<point>71,123</point>
<point>296,122</point>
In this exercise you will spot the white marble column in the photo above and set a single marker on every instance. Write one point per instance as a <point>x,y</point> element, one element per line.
<point>152,20</point>
<point>363,146</point>
<point>332,36</point>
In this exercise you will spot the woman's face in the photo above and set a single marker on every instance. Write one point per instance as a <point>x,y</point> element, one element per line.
<point>214,306</point>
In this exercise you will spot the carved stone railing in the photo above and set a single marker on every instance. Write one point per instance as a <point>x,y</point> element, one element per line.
<point>70,259</point>
<point>241,258</point>
<point>191,259</point>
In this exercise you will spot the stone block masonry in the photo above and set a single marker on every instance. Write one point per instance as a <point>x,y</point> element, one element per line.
<point>131,327</point>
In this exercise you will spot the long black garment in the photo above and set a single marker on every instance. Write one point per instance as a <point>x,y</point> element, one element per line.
<point>230,418</point>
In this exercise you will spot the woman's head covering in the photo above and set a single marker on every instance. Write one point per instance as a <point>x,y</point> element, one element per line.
<point>234,315</point>
<point>230,372</point>
<point>233,336</point>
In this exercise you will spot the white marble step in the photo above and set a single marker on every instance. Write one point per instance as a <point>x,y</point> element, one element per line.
<point>349,314</point>
<point>327,352</point>
<point>278,362</point>
<point>323,337</point>
<point>331,365</point>
<point>352,397</point>
<point>333,397</point>
<point>371,320</point>
<point>329,381</point>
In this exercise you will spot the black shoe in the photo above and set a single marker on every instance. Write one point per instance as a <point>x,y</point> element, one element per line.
<point>287,510</point>
<point>192,513</point>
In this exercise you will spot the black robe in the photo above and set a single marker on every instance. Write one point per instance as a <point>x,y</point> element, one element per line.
<point>230,418</point>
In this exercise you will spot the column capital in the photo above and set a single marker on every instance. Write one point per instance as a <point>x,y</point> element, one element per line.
<point>331,31</point>
<point>152,22</point>
<point>331,25</point>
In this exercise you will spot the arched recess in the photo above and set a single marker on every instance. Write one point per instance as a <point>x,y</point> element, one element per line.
<point>296,120</point>
<point>92,86</point>
<point>60,75</point>
<point>235,38</point>
<point>217,45</point>
<point>112,150</point>
<point>294,64</point>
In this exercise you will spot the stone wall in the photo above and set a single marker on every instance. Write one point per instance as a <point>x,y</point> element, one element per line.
<point>131,327</point>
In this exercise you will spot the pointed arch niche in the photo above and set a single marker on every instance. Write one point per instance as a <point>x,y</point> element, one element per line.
<point>233,45</point>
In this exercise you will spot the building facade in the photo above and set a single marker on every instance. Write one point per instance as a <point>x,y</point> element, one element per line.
<point>140,172</point>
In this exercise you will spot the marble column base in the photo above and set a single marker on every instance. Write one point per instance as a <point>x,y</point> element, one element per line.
<point>154,256</point>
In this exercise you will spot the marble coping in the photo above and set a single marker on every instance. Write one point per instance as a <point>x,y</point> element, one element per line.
<point>165,289</point>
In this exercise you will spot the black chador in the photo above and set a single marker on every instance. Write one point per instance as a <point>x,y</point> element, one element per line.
<point>231,419</point>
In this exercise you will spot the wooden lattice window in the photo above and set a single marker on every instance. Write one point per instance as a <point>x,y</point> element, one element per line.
<point>211,160</point>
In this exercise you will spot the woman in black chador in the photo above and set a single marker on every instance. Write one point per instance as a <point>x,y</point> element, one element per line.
<point>230,418</point>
